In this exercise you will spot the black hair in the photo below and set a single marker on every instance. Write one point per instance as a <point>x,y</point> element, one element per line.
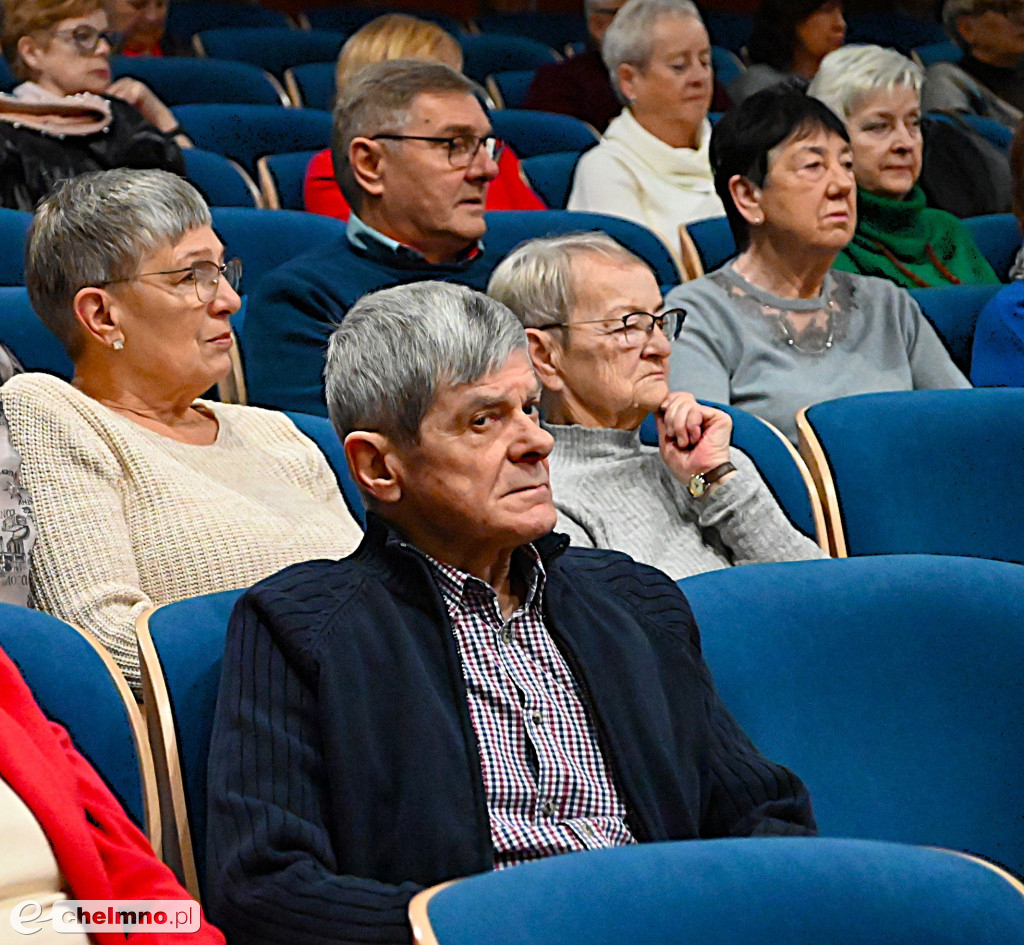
<point>744,136</point>
<point>773,36</point>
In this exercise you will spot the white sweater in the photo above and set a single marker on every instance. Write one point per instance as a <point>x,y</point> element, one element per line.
<point>635,175</point>
<point>129,519</point>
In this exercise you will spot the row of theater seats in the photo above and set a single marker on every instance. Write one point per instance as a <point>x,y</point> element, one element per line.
<point>891,683</point>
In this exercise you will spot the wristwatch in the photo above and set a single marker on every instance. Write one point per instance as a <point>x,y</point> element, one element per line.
<point>699,482</point>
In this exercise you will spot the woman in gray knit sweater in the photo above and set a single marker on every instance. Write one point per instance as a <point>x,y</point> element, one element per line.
<point>689,505</point>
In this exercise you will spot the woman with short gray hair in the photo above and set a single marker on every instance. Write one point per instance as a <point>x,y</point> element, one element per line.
<point>144,493</point>
<point>599,341</point>
<point>987,80</point>
<point>652,165</point>
<point>877,93</point>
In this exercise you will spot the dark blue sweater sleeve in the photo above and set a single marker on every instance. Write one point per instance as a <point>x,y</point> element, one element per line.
<point>272,874</point>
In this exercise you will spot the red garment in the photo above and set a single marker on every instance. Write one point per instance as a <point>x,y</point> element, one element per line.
<point>100,852</point>
<point>508,191</point>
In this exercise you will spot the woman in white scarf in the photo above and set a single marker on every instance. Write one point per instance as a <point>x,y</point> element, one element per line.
<point>652,165</point>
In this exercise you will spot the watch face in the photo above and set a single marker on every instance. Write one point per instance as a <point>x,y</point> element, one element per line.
<point>697,486</point>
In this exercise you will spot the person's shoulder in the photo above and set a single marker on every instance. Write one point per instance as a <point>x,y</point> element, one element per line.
<point>328,267</point>
<point>308,594</point>
<point>254,421</point>
<point>41,392</point>
<point>704,288</point>
<point>948,70</point>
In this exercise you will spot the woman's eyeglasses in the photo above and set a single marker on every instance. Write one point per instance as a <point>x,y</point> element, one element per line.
<point>636,327</point>
<point>204,275</point>
<point>86,38</point>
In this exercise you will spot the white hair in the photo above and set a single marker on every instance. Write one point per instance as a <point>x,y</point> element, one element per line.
<point>630,38</point>
<point>850,73</point>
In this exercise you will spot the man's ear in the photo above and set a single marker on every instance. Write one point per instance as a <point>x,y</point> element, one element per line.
<point>546,355</point>
<point>366,157</point>
<point>374,466</point>
<point>747,197</point>
<point>97,313</point>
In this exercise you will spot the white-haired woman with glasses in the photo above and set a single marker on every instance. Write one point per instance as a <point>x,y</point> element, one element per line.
<point>67,117</point>
<point>599,341</point>
<point>877,93</point>
<point>652,165</point>
<point>146,494</point>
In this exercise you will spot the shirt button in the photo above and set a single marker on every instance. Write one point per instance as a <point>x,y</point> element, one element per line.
<point>547,808</point>
<point>588,831</point>
<point>507,636</point>
<point>537,718</point>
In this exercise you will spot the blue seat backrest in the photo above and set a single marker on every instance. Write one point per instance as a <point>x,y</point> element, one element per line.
<point>714,241</point>
<point>347,19</point>
<point>33,344</point>
<point>897,30</point>
<point>530,132</point>
<point>905,463</point>
<point>727,65</point>
<point>272,49</point>
<point>893,685</point>
<point>189,639</point>
<point>321,431</point>
<point>553,29</point>
<point>513,84</point>
<point>953,312</point>
<point>14,226</point>
<point>264,239</point>
<point>7,79</point>
<point>997,235</point>
<point>769,454</point>
<point>45,649</point>
<point>189,80</point>
<point>184,19</point>
<point>316,84</point>
<point>729,30</point>
<point>289,174</point>
<point>943,51</point>
<point>551,176</point>
<point>485,53</point>
<point>218,179</point>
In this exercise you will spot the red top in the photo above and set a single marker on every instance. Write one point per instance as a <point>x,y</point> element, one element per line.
<point>100,852</point>
<point>508,191</point>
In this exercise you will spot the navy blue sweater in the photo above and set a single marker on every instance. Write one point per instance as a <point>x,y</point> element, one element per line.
<point>345,771</point>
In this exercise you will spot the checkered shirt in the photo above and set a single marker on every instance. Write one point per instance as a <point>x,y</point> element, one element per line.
<point>548,788</point>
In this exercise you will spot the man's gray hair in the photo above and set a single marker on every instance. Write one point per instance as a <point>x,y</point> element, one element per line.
<point>377,101</point>
<point>630,38</point>
<point>952,10</point>
<point>396,349</point>
<point>536,279</point>
<point>96,228</point>
<point>850,73</point>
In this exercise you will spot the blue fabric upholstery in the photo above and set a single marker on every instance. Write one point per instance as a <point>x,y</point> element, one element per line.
<point>73,686</point>
<point>347,19</point>
<point>554,29</point>
<point>942,51</point>
<point>7,80</point>
<point>221,181</point>
<point>512,85</point>
<point>321,431</point>
<point>551,176</point>
<point>34,345</point>
<point>531,132</point>
<point>770,455</point>
<point>894,685</point>
<point>246,133</point>
<point>727,64</point>
<point>729,30</point>
<point>714,241</point>
<point>184,19</point>
<point>187,80</point>
<point>14,226</point>
<point>932,471</point>
<point>273,49</point>
<point>997,235</point>
<point>897,30</point>
<point>189,640</point>
<point>953,312</point>
<point>735,892</point>
<point>315,83</point>
<point>485,53</point>
<point>264,239</point>
<point>288,172</point>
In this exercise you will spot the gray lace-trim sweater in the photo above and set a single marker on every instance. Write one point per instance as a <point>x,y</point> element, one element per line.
<point>612,491</point>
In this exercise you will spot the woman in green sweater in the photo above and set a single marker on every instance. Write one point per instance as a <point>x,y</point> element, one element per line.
<point>877,92</point>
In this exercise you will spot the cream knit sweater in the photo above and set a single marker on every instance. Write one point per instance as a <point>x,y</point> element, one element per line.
<point>129,519</point>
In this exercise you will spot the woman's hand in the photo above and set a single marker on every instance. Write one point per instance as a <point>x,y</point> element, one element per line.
<point>142,98</point>
<point>692,437</point>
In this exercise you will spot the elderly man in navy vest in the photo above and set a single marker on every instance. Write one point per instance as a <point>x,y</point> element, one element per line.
<point>465,692</point>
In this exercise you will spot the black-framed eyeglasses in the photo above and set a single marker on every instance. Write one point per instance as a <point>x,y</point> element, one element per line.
<point>462,149</point>
<point>636,327</point>
<point>86,38</point>
<point>204,275</point>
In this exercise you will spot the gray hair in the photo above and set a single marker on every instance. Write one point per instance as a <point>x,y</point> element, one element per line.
<point>96,228</point>
<point>630,38</point>
<point>536,280</point>
<point>377,101</point>
<point>849,73</point>
<point>952,10</point>
<point>397,348</point>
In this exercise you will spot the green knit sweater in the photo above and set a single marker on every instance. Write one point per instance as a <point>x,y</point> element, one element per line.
<point>907,228</point>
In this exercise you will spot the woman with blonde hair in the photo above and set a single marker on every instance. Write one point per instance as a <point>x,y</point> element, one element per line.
<point>398,36</point>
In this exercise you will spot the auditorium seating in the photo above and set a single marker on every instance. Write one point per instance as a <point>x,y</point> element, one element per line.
<point>529,133</point>
<point>311,85</point>
<point>189,81</point>
<point>485,53</point>
<point>508,88</point>
<point>221,181</point>
<point>282,177</point>
<point>550,175</point>
<point>953,312</point>
<point>272,49</point>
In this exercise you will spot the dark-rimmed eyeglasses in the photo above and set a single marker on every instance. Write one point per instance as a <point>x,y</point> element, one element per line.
<point>462,149</point>
<point>634,329</point>
<point>86,38</point>
<point>204,275</point>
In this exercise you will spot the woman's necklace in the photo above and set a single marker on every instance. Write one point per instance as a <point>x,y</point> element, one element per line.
<point>791,339</point>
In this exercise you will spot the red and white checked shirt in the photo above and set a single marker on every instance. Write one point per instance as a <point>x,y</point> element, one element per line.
<point>547,785</point>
